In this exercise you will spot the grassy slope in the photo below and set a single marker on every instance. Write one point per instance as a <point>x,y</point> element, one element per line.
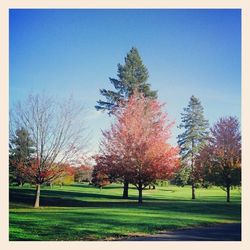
<point>82,212</point>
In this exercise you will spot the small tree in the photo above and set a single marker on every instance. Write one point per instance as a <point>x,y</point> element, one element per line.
<point>221,159</point>
<point>193,139</point>
<point>132,76</point>
<point>83,173</point>
<point>52,127</point>
<point>182,176</point>
<point>20,153</point>
<point>136,145</point>
<point>99,177</point>
<point>67,176</point>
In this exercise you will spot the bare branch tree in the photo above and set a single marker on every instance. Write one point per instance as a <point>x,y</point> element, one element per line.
<point>58,132</point>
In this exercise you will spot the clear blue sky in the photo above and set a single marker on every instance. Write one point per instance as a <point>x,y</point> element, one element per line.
<point>187,52</point>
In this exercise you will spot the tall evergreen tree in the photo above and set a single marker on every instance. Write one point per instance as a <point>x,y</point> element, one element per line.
<point>132,76</point>
<point>21,149</point>
<point>194,137</point>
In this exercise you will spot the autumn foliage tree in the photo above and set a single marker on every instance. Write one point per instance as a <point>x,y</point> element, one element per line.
<point>66,177</point>
<point>136,147</point>
<point>100,177</point>
<point>221,159</point>
<point>57,131</point>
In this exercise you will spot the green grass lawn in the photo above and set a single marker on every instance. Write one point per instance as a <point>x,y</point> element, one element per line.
<point>83,212</point>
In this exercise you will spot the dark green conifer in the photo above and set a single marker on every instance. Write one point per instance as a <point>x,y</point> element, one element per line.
<point>133,75</point>
<point>192,140</point>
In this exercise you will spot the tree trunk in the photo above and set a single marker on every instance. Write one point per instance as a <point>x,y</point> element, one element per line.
<point>37,199</point>
<point>21,184</point>
<point>125,190</point>
<point>228,193</point>
<point>153,186</point>
<point>140,194</point>
<point>193,191</point>
<point>192,171</point>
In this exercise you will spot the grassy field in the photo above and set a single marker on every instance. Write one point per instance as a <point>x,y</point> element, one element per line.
<point>83,212</point>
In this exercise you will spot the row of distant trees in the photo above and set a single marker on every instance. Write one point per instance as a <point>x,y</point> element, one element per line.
<point>21,159</point>
<point>135,150</point>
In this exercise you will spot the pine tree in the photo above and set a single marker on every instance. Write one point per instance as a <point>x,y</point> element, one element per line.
<point>132,76</point>
<point>21,149</point>
<point>193,138</point>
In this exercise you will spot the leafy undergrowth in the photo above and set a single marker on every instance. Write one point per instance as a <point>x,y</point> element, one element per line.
<point>83,212</point>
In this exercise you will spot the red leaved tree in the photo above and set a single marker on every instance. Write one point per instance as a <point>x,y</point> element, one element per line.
<point>221,158</point>
<point>100,178</point>
<point>136,147</point>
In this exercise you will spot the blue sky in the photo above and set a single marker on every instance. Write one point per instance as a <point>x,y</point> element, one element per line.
<point>187,52</point>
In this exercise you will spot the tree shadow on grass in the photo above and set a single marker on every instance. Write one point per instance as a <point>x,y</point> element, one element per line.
<point>63,194</point>
<point>109,187</point>
<point>17,194</point>
<point>53,198</point>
